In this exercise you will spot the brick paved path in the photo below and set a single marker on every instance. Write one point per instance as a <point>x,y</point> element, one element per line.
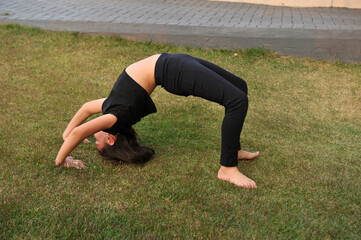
<point>319,32</point>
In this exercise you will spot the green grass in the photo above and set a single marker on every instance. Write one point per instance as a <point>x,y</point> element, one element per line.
<point>304,117</point>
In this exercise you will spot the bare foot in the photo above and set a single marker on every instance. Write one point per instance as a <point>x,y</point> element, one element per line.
<point>234,176</point>
<point>247,155</point>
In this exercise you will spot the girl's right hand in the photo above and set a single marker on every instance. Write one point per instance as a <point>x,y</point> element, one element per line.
<point>71,162</point>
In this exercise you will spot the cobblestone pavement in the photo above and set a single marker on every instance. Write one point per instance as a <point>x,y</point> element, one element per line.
<point>182,12</point>
<point>171,19</point>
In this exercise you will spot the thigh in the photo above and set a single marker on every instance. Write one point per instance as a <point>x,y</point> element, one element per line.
<point>200,81</point>
<point>235,80</point>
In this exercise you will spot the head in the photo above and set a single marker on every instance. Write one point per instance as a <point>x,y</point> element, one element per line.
<point>104,138</point>
<point>123,147</point>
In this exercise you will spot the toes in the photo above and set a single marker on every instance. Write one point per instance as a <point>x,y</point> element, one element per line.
<point>254,155</point>
<point>250,184</point>
<point>243,184</point>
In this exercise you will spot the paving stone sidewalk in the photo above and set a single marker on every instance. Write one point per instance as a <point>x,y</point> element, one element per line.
<point>328,33</point>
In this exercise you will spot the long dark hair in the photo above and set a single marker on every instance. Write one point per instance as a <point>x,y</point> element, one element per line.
<point>126,149</point>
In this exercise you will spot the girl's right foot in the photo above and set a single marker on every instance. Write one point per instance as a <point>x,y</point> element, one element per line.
<point>234,176</point>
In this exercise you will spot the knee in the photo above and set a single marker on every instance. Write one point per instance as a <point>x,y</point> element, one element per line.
<point>239,102</point>
<point>242,85</point>
<point>243,101</point>
<point>245,88</point>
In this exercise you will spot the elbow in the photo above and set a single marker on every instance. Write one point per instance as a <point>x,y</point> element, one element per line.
<point>85,108</point>
<point>75,133</point>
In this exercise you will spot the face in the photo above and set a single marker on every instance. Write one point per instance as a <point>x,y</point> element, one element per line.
<point>101,139</point>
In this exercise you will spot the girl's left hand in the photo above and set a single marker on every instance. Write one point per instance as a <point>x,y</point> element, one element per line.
<point>71,162</point>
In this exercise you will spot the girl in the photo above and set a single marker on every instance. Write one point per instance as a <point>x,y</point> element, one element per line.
<point>129,101</point>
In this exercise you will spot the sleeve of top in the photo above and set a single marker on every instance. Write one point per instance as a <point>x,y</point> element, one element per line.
<point>121,123</point>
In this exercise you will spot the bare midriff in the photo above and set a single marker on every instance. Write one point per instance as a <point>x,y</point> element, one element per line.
<point>143,72</point>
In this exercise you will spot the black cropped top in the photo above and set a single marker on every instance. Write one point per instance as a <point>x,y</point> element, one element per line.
<point>128,102</point>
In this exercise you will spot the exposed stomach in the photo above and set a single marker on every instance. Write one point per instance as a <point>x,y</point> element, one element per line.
<point>143,72</point>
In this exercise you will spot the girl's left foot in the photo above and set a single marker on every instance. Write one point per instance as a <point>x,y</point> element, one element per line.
<point>247,155</point>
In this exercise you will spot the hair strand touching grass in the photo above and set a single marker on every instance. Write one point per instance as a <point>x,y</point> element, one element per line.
<point>126,149</point>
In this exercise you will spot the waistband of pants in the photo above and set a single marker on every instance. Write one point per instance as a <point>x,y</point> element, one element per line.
<point>158,71</point>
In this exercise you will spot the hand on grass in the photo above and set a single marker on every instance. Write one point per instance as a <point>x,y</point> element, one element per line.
<point>86,141</point>
<point>71,162</point>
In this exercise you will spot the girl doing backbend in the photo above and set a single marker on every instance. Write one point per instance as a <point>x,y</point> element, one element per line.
<point>129,101</point>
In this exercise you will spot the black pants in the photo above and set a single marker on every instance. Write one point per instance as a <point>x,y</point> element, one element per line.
<point>186,75</point>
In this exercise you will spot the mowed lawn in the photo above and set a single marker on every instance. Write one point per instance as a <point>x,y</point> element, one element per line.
<point>304,117</point>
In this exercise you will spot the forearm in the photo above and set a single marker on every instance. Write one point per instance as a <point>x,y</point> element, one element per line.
<point>78,134</point>
<point>70,142</point>
<point>78,119</point>
<point>83,113</point>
